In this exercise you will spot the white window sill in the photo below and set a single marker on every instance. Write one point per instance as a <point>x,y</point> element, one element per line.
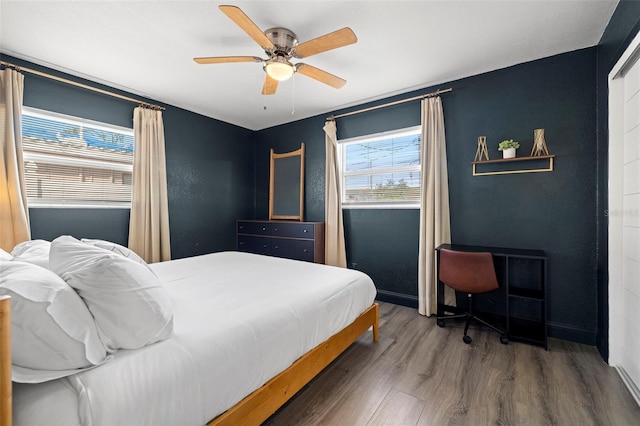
<point>78,206</point>
<point>381,206</point>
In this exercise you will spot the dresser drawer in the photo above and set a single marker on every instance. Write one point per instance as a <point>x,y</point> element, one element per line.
<point>292,230</point>
<point>277,229</point>
<point>254,228</point>
<point>252,244</point>
<point>294,249</point>
<point>280,247</point>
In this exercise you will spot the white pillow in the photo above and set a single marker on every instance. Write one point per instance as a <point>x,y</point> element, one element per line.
<point>51,327</point>
<point>116,248</point>
<point>33,251</point>
<point>4,255</point>
<point>130,305</point>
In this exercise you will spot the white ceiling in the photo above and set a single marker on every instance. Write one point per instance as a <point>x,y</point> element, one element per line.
<point>146,47</point>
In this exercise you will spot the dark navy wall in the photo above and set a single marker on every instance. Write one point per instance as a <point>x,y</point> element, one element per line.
<point>382,243</point>
<point>210,176</point>
<point>622,28</point>
<point>105,224</point>
<point>218,173</point>
<point>555,212</point>
<point>210,171</point>
<point>288,138</point>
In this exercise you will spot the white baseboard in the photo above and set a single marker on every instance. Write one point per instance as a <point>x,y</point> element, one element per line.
<point>633,388</point>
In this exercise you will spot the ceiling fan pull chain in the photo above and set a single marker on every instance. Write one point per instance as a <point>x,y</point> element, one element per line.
<point>293,95</point>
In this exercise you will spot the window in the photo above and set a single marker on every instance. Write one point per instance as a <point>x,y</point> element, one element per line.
<point>381,170</point>
<point>73,162</point>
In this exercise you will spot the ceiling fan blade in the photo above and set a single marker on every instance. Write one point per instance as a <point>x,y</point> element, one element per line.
<point>270,86</point>
<point>343,37</point>
<point>227,59</point>
<point>244,22</point>
<point>321,76</point>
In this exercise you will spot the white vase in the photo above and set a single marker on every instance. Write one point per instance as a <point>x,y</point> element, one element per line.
<point>509,153</point>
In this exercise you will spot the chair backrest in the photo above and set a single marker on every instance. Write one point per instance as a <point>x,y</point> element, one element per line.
<point>468,272</point>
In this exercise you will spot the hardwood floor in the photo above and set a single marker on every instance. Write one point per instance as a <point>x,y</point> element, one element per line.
<point>421,374</point>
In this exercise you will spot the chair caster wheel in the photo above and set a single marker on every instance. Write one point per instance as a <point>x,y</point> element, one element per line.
<point>440,323</point>
<point>504,340</point>
<point>466,339</point>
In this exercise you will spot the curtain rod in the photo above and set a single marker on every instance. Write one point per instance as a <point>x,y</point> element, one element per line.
<point>84,86</point>
<point>426,95</point>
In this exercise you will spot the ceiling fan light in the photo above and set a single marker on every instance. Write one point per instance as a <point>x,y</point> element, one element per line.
<point>279,69</point>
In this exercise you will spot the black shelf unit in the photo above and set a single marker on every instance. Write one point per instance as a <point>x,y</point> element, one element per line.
<point>522,274</point>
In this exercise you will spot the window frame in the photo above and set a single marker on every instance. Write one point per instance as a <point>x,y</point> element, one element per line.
<point>341,151</point>
<point>61,160</point>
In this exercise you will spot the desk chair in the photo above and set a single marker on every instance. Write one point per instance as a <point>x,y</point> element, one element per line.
<point>470,273</point>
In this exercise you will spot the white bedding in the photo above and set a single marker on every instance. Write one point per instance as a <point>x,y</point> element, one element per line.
<point>239,319</point>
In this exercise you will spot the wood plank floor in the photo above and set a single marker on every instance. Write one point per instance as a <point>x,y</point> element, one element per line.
<point>421,374</point>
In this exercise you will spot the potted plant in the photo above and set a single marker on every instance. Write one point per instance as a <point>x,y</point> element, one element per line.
<point>508,148</point>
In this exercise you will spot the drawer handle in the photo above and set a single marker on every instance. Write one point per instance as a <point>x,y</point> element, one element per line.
<point>241,227</point>
<point>276,247</point>
<point>241,243</point>
<point>276,229</point>
<point>306,251</point>
<point>264,229</point>
<point>305,231</point>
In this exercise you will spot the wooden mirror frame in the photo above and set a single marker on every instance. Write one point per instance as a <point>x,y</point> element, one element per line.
<point>286,185</point>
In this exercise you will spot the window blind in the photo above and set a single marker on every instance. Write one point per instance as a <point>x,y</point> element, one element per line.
<point>382,169</point>
<point>70,161</point>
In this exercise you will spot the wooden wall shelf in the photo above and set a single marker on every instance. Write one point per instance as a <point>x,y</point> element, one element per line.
<point>549,158</point>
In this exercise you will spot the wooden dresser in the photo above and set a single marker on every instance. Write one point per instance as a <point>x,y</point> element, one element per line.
<point>293,240</point>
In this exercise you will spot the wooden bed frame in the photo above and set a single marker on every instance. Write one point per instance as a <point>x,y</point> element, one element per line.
<point>5,361</point>
<point>252,410</point>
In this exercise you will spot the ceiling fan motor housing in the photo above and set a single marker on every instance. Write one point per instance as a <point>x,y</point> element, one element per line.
<point>283,39</point>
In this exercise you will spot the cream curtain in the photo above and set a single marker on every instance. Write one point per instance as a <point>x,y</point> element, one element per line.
<point>435,227</point>
<point>335,253</point>
<point>14,212</point>
<point>149,222</point>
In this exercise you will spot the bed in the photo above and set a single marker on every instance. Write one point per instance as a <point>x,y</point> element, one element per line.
<point>249,331</point>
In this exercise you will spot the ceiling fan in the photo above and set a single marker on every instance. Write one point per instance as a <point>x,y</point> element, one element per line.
<point>280,45</point>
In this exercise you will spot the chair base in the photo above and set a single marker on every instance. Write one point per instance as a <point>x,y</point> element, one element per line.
<point>440,320</point>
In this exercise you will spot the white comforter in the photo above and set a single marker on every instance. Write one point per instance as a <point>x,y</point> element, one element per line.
<point>240,319</point>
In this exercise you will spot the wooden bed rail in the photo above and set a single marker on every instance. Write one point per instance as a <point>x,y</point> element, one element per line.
<point>5,361</point>
<point>261,404</point>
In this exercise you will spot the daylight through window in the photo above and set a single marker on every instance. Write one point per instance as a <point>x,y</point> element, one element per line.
<point>72,162</point>
<point>381,170</point>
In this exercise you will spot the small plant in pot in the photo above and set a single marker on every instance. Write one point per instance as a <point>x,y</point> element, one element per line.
<point>508,148</point>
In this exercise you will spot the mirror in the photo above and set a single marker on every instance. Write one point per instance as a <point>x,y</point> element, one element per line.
<point>286,185</point>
